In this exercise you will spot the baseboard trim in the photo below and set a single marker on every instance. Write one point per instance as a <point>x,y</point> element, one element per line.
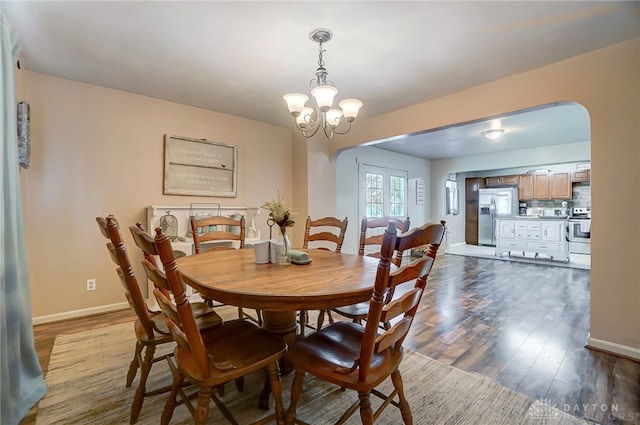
<point>79,313</point>
<point>613,348</point>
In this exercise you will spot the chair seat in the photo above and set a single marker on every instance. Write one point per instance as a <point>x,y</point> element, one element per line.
<point>205,318</point>
<point>235,349</point>
<point>358,312</point>
<point>201,308</point>
<point>339,345</point>
<point>354,311</point>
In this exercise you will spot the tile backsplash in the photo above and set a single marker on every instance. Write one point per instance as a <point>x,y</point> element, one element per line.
<point>581,195</point>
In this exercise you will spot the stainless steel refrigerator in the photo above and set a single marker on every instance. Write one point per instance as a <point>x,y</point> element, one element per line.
<point>493,204</point>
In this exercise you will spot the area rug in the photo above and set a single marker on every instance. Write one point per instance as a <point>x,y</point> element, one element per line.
<point>86,376</point>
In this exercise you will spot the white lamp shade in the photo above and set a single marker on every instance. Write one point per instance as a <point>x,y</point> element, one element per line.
<point>304,119</point>
<point>295,102</point>
<point>333,117</point>
<point>324,96</point>
<point>350,108</point>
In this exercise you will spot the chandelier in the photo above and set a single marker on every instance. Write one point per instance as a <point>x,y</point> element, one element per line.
<point>332,120</point>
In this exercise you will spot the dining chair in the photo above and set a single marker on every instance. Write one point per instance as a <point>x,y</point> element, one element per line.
<point>358,357</point>
<point>149,328</point>
<point>370,243</point>
<point>211,358</point>
<point>200,309</point>
<point>322,233</point>
<point>216,228</point>
<point>371,234</point>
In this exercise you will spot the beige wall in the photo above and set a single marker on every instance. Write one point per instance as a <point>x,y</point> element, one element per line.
<point>97,151</point>
<point>607,83</point>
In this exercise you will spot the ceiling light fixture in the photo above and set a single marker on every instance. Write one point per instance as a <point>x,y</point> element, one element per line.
<point>493,134</point>
<point>332,120</point>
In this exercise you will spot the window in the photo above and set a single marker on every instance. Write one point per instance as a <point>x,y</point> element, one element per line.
<point>385,191</point>
<point>451,193</point>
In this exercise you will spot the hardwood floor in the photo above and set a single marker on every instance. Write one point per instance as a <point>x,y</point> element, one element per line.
<point>523,325</point>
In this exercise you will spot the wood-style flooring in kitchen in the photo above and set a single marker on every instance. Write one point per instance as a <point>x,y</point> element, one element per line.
<point>524,325</point>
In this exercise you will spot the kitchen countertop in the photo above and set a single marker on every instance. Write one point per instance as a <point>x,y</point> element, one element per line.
<point>540,217</point>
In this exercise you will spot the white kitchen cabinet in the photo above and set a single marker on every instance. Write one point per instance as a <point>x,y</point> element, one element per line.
<point>537,236</point>
<point>506,229</point>
<point>552,230</point>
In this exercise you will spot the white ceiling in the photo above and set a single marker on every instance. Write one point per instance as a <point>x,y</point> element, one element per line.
<point>241,57</point>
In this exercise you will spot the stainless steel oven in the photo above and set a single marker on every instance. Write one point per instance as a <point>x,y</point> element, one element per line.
<point>579,233</point>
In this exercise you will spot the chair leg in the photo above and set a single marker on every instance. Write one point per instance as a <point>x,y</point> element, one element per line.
<point>202,409</point>
<point>320,319</point>
<point>296,391</point>
<point>170,404</point>
<point>145,368</point>
<point>405,410</point>
<point>276,390</point>
<point>302,318</point>
<point>366,414</point>
<point>331,321</point>
<point>135,363</point>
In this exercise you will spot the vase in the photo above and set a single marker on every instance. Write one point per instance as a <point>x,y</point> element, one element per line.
<point>284,245</point>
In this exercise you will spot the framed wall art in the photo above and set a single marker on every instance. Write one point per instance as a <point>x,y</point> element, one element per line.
<point>199,167</point>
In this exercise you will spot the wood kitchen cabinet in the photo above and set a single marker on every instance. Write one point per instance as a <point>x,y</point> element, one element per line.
<point>492,181</point>
<point>499,181</point>
<point>560,185</point>
<point>525,187</point>
<point>472,195</point>
<point>578,176</point>
<point>510,180</point>
<point>541,186</point>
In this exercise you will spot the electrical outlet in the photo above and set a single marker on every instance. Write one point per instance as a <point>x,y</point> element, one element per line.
<point>91,284</point>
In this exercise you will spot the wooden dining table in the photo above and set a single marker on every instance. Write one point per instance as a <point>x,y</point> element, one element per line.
<point>232,277</point>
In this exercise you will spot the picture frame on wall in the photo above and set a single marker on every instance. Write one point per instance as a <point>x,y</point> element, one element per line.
<point>199,167</point>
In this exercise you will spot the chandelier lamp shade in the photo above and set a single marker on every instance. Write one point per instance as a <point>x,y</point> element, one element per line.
<point>310,119</point>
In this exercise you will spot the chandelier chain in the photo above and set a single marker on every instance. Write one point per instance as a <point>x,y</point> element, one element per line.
<point>320,52</point>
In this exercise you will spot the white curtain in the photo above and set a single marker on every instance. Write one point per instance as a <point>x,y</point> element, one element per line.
<point>21,383</point>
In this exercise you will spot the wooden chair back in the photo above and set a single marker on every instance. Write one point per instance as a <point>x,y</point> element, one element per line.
<point>375,340</point>
<point>330,229</point>
<point>180,319</point>
<point>145,242</point>
<point>110,229</point>
<point>369,237</point>
<point>219,222</point>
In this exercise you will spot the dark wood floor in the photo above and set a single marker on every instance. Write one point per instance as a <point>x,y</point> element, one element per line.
<point>523,325</point>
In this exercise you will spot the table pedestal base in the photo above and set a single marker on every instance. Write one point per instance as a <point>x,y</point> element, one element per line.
<point>283,325</point>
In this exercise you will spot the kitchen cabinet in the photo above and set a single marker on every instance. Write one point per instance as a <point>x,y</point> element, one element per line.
<point>471,209</point>
<point>506,229</point>
<point>498,181</point>
<point>541,186</point>
<point>579,176</point>
<point>560,185</point>
<point>525,187</point>
<point>492,181</point>
<point>540,236</point>
<point>509,180</point>
<point>550,185</point>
